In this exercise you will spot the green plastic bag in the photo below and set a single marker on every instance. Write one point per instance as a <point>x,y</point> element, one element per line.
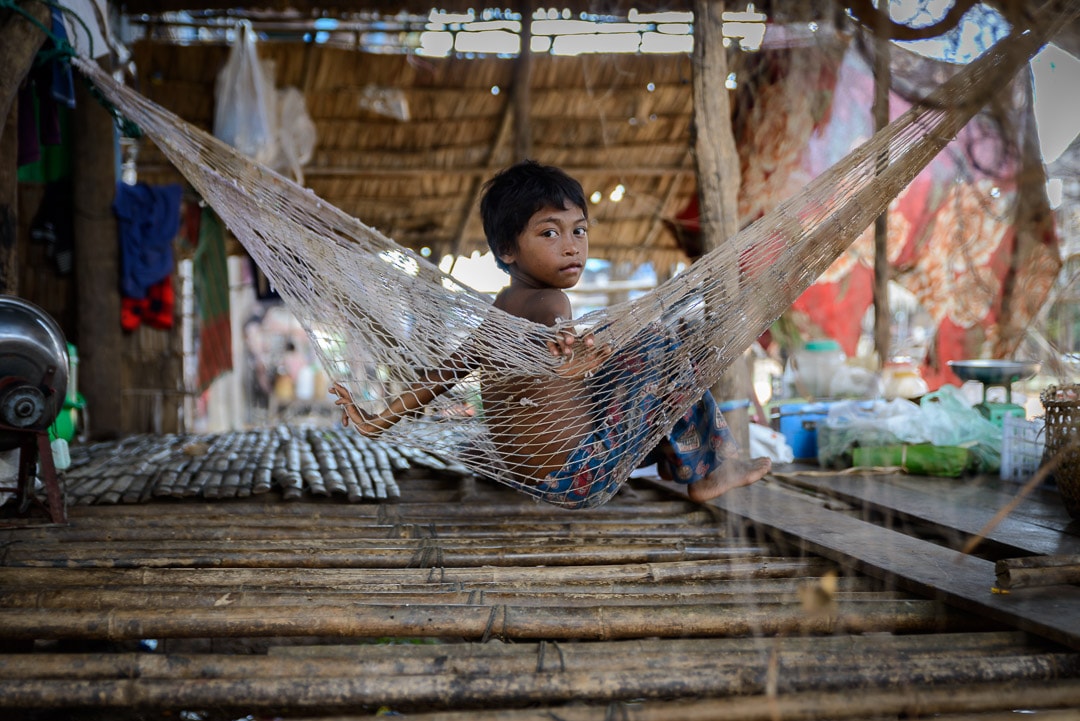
<point>922,459</point>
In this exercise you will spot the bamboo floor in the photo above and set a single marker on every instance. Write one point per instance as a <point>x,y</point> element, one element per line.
<point>804,596</point>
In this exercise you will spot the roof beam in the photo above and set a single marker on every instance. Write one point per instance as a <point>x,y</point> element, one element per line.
<point>651,171</point>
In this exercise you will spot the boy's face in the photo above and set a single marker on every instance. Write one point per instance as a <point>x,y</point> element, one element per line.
<point>551,250</point>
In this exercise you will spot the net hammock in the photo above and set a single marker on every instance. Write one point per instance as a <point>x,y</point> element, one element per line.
<point>384,320</point>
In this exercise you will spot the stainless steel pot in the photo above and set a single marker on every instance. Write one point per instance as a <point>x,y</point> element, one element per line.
<point>33,369</point>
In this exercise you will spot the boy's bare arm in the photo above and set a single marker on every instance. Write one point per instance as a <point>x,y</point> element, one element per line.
<point>432,383</point>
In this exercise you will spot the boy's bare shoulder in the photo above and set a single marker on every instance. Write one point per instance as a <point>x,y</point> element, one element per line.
<point>540,305</point>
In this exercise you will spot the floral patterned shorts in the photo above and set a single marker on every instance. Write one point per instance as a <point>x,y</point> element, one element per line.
<point>697,444</point>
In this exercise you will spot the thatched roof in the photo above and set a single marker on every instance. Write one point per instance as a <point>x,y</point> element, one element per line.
<point>418,180</point>
<point>610,120</point>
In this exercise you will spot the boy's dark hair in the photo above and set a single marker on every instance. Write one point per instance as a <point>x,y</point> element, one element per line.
<point>512,196</point>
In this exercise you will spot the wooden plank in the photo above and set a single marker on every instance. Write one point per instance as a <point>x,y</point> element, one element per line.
<point>960,580</point>
<point>1042,506</point>
<point>965,508</point>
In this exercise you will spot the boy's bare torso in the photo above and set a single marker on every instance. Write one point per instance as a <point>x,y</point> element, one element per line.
<point>535,421</point>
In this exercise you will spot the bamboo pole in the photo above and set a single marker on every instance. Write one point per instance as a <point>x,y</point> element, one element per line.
<point>421,510</point>
<point>474,622</point>
<point>906,702</point>
<point>1037,571</point>
<point>98,596</point>
<point>328,512</point>
<point>679,571</point>
<point>441,690</point>
<point>146,529</point>
<point>549,652</point>
<point>662,547</point>
<point>326,517</point>
<point>105,598</point>
<point>424,553</point>
<point>568,658</point>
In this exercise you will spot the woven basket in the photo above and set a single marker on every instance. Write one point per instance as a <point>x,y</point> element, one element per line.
<point>1062,406</point>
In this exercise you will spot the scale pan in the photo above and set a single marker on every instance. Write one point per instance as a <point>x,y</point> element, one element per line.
<point>994,372</point>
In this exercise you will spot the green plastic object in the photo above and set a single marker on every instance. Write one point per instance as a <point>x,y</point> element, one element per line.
<point>921,459</point>
<point>66,425</point>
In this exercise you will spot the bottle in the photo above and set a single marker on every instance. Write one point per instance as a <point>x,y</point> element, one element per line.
<point>61,454</point>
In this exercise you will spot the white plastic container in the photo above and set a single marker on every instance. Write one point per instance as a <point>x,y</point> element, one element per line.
<point>815,365</point>
<point>903,380</point>
<point>1022,447</point>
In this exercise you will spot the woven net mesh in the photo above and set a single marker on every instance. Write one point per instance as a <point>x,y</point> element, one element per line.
<point>386,322</point>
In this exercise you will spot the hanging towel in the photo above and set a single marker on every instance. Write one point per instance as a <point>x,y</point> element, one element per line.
<point>211,271</point>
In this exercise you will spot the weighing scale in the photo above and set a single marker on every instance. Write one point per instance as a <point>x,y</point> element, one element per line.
<point>996,373</point>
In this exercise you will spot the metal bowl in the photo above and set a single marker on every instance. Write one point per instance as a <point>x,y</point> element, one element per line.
<point>994,372</point>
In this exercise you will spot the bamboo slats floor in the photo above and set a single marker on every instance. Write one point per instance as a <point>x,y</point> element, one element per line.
<point>462,600</point>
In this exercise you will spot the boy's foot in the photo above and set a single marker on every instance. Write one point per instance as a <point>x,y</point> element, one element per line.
<point>732,473</point>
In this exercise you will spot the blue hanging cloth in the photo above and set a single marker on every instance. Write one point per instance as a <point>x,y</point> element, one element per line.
<point>148,218</point>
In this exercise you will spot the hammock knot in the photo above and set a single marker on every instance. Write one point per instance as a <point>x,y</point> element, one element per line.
<point>127,127</point>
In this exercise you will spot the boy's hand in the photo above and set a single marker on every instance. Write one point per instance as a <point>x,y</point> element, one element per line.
<point>581,354</point>
<point>363,421</point>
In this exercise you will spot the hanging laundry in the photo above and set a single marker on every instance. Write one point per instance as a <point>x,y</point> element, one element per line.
<point>45,96</point>
<point>155,310</point>
<point>211,275</point>
<point>148,218</point>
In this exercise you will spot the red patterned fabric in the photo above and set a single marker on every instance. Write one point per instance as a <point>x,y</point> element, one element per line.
<point>957,237</point>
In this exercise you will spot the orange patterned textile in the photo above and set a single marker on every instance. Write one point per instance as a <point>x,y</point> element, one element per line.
<point>979,256</point>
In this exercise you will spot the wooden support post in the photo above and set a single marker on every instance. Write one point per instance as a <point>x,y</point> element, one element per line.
<point>9,206</point>
<point>97,254</point>
<point>882,83</point>
<point>20,39</point>
<point>1033,221</point>
<point>719,177</point>
<point>522,95</point>
<point>19,43</point>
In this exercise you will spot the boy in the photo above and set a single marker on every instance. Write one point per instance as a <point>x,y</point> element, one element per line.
<point>562,438</point>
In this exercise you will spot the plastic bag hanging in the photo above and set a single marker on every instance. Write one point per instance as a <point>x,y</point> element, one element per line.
<point>244,101</point>
<point>296,133</point>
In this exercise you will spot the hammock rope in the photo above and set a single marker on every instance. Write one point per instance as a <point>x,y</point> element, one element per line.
<point>383,319</point>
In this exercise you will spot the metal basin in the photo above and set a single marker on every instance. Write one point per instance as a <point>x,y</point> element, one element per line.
<point>33,369</point>
<point>994,372</point>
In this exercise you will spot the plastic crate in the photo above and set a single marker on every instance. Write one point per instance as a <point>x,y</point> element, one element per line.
<point>1022,447</point>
